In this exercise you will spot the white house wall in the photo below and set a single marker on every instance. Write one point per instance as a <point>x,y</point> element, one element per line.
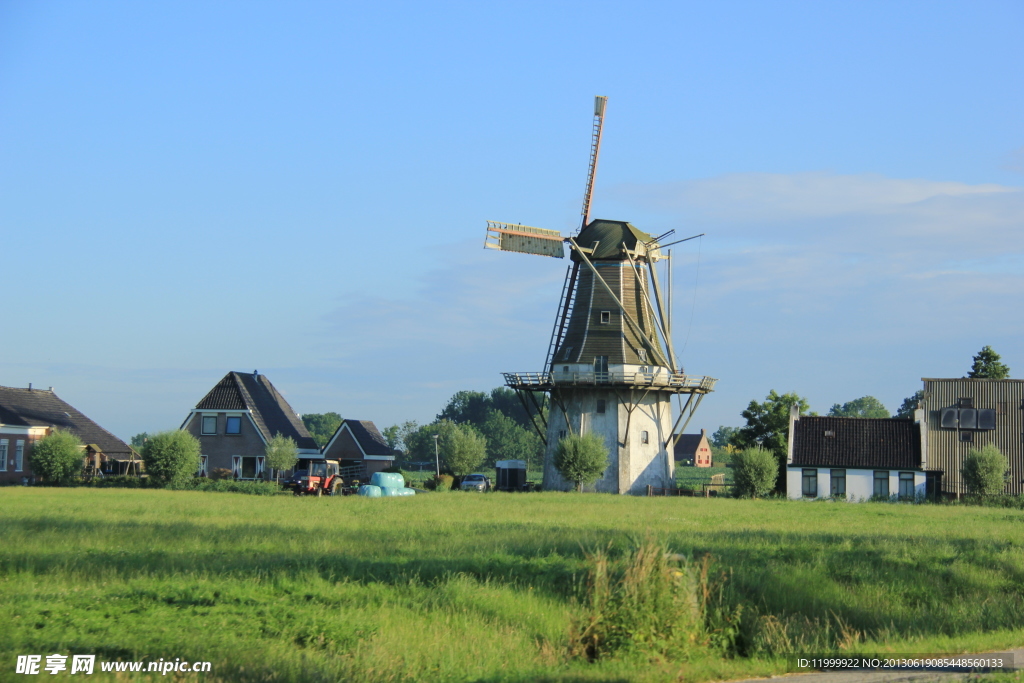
<point>860,484</point>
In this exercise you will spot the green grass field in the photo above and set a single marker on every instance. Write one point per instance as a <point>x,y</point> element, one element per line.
<point>481,587</point>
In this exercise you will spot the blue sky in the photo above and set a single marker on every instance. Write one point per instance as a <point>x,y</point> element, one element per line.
<point>301,188</point>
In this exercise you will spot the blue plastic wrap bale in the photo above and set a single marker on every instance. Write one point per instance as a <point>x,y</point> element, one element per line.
<point>389,479</point>
<point>370,491</point>
<point>389,491</point>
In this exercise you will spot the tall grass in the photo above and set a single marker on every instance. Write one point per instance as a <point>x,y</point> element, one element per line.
<point>486,587</point>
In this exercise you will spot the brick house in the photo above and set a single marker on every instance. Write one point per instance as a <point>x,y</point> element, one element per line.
<point>27,415</point>
<point>694,448</point>
<point>358,444</point>
<point>237,418</point>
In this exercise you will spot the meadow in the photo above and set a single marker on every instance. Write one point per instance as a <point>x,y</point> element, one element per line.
<point>485,587</point>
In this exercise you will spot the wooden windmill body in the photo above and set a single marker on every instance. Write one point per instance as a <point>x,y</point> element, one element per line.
<point>611,368</point>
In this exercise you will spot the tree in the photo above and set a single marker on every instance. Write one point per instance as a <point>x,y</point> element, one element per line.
<point>987,366</point>
<point>322,426</point>
<point>139,440</point>
<point>57,457</point>
<point>768,422</point>
<point>398,435</point>
<point>172,457</point>
<point>909,405</point>
<point>420,443</point>
<point>865,406</point>
<point>467,407</point>
<point>508,440</point>
<point>755,471</point>
<point>281,453</point>
<point>984,471</point>
<point>723,436</point>
<point>464,450</point>
<point>581,459</point>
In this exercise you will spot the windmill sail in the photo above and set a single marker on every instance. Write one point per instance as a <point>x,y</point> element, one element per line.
<point>524,239</point>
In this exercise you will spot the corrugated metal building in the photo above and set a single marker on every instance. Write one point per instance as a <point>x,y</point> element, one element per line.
<point>964,414</point>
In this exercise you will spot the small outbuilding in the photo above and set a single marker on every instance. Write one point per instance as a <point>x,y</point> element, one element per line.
<point>694,448</point>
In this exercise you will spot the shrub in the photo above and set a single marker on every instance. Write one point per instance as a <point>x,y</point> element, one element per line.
<point>256,488</point>
<point>57,457</point>
<point>984,471</point>
<point>171,458</point>
<point>465,450</point>
<point>221,473</point>
<point>581,459</point>
<point>755,470</point>
<point>651,603</point>
<point>443,482</point>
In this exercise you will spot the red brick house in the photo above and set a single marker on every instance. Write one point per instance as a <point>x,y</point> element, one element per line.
<point>694,448</point>
<point>236,419</point>
<point>27,415</point>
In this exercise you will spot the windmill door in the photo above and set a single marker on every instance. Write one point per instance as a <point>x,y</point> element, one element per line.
<point>601,368</point>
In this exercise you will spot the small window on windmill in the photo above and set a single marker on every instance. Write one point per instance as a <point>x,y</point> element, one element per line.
<point>965,402</point>
<point>645,437</point>
<point>568,350</point>
<point>830,434</point>
<point>967,437</point>
<point>606,317</point>
<point>601,405</point>
<point>565,368</point>
<point>642,355</point>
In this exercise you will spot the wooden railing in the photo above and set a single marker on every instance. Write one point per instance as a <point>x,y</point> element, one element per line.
<point>541,380</point>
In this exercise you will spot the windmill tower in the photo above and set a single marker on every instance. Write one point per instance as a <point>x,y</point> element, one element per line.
<point>611,368</point>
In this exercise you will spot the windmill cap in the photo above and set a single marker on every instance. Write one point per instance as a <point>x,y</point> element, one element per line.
<point>610,235</point>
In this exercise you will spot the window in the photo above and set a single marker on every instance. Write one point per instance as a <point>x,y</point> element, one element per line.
<point>248,467</point>
<point>830,434</point>
<point>838,478</point>
<point>209,424</point>
<point>645,437</point>
<point>810,483</point>
<point>882,483</point>
<point>204,463</point>
<point>19,455</point>
<point>967,437</point>
<point>965,402</point>
<point>3,455</point>
<point>600,363</point>
<point>606,317</point>
<point>561,434</point>
<point>642,355</point>
<point>601,405</point>
<point>234,425</point>
<point>565,368</point>
<point>568,350</point>
<point>906,484</point>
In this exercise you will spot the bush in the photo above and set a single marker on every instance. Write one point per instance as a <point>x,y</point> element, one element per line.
<point>57,457</point>
<point>581,459</point>
<point>171,458</point>
<point>255,488</point>
<point>443,482</point>
<point>221,473</point>
<point>281,453</point>
<point>984,471</point>
<point>755,470</point>
<point>651,604</point>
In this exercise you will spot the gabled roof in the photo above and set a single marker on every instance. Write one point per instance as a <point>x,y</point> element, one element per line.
<point>856,443</point>
<point>366,435</point>
<point>269,410</point>
<point>43,408</point>
<point>687,445</point>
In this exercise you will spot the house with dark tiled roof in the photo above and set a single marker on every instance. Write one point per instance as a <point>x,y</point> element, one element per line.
<point>236,419</point>
<point>694,448</point>
<point>27,415</point>
<point>855,458</point>
<point>358,444</point>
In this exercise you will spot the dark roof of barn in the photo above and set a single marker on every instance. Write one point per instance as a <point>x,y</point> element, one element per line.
<point>269,410</point>
<point>43,408</point>
<point>687,445</point>
<point>857,443</point>
<point>369,438</point>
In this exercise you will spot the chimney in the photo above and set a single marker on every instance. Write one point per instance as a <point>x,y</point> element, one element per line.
<point>30,386</point>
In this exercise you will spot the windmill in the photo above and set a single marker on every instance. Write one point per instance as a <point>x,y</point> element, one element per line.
<point>611,367</point>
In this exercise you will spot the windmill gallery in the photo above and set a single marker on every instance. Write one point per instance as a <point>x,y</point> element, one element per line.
<point>611,367</point>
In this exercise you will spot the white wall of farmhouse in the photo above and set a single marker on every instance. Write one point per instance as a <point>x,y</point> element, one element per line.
<point>860,483</point>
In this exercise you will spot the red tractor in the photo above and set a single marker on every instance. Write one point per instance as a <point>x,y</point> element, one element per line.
<point>321,478</point>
